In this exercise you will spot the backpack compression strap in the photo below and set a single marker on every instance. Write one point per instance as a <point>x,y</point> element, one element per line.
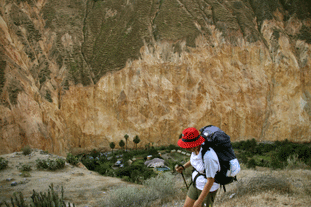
<point>200,174</point>
<point>196,177</point>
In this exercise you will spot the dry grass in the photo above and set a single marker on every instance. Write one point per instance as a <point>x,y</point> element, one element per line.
<point>294,163</point>
<point>268,188</point>
<point>155,191</point>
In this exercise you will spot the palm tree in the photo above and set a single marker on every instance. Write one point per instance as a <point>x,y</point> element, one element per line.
<point>121,143</point>
<point>126,137</point>
<point>136,140</point>
<point>112,146</point>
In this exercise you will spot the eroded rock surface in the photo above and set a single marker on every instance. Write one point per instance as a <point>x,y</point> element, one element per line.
<point>77,75</point>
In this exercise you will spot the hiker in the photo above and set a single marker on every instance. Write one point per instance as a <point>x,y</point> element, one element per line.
<point>203,189</point>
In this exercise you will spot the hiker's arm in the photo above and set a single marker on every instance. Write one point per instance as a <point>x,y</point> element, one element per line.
<point>205,191</point>
<point>187,164</point>
<point>181,168</point>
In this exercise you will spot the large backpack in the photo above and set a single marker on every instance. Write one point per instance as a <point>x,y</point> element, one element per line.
<point>220,142</point>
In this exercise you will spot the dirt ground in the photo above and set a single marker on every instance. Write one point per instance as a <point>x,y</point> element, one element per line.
<point>81,186</point>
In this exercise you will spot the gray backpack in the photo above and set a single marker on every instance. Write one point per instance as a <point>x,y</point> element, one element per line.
<point>221,144</point>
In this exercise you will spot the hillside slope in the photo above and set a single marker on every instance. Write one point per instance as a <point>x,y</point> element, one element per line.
<point>81,186</point>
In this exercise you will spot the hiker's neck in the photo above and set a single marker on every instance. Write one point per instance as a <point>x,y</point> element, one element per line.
<point>197,149</point>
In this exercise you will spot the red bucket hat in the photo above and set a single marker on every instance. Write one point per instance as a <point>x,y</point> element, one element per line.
<point>190,138</point>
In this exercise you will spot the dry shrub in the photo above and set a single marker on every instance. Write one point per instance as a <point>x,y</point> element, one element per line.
<point>252,183</point>
<point>265,182</point>
<point>155,190</point>
<point>27,150</point>
<point>294,163</point>
<point>307,190</point>
<point>129,196</point>
<point>302,182</point>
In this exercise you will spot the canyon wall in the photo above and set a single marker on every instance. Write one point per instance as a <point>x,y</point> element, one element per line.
<point>78,74</point>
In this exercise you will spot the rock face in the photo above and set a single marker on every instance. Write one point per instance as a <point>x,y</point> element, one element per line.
<point>79,74</point>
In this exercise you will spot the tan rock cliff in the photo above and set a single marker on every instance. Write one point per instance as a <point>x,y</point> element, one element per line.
<point>251,82</point>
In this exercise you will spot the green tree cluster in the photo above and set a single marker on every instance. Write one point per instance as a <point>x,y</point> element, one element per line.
<point>273,154</point>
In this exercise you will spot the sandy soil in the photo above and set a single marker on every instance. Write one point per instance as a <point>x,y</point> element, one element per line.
<point>81,186</point>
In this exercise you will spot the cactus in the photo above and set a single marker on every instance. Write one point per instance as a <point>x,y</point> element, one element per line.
<point>49,199</point>
<point>50,164</point>
<point>3,164</point>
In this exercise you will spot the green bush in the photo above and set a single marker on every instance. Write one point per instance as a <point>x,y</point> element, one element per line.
<point>25,174</point>
<point>50,164</point>
<point>103,168</point>
<point>265,148</point>
<point>111,173</point>
<point>276,163</point>
<point>94,153</point>
<point>135,176</point>
<point>258,150</point>
<point>138,163</point>
<point>60,163</point>
<point>237,145</point>
<point>89,162</point>
<point>148,174</point>
<point>137,172</point>
<point>24,167</point>
<point>49,199</point>
<point>162,148</point>
<point>41,164</point>
<point>250,146</point>
<point>102,159</point>
<point>127,156</point>
<point>126,178</point>
<point>251,163</point>
<point>304,152</point>
<point>242,158</point>
<point>172,147</point>
<point>3,163</point>
<point>26,150</point>
<point>72,159</point>
<point>152,152</point>
<point>284,152</point>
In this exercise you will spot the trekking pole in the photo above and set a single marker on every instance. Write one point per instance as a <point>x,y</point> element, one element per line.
<point>183,176</point>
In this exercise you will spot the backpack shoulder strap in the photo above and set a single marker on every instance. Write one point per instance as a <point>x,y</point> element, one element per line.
<point>205,148</point>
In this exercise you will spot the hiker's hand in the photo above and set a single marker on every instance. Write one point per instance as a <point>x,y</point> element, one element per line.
<point>179,168</point>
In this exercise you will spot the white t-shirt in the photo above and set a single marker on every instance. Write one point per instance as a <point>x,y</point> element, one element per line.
<point>211,163</point>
